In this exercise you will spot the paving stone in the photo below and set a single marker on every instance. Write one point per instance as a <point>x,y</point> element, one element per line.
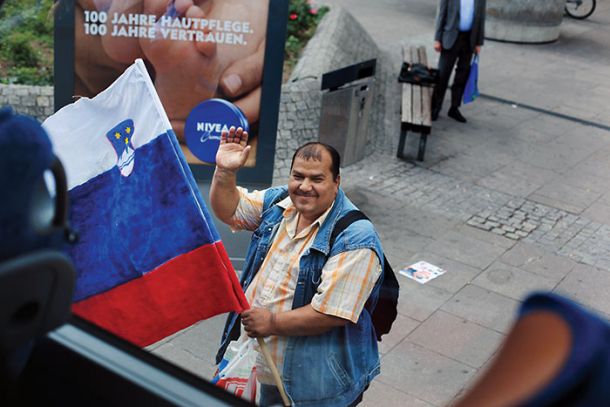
<point>419,301</point>
<point>457,338</point>
<point>485,214</point>
<point>380,394</point>
<point>202,339</point>
<point>506,182</point>
<point>528,227</point>
<point>400,244</point>
<point>519,214</point>
<point>483,307</point>
<point>569,198</point>
<point>186,360</point>
<point>589,286</point>
<point>534,259</point>
<point>401,328</point>
<point>424,374</point>
<point>491,238</point>
<point>466,249</point>
<point>513,282</point>
<point>598,212</point>
<point>514,223</point>
<point>486,226</point>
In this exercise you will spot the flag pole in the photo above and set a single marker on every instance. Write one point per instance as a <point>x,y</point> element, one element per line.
<point>274,372</point>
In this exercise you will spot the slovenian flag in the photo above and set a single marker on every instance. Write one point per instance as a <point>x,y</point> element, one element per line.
<point>149,260</point>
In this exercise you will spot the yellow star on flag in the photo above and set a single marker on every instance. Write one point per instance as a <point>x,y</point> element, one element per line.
<point>117,135</point>
<point>128,130</point>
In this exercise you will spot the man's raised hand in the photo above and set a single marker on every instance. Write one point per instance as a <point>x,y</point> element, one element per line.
<point>233,150</point>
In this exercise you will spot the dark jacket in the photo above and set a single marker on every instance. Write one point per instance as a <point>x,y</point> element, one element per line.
<point>448,23</point>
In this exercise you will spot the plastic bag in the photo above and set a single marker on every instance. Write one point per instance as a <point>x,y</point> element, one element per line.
<point>471,91</point>
<point>237,371</point>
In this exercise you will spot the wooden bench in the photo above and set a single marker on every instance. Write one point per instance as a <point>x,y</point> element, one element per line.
<point>416,115</point>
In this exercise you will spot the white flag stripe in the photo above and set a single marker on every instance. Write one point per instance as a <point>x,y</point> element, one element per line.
<point>78,131</point>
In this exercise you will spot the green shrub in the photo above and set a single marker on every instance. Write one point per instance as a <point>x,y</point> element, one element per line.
<point>17,48</point>
<point>26,42</point>
<point>303,19</point>
<point>29,76</point>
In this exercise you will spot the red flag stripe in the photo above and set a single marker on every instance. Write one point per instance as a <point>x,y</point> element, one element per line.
<point>174,296</point>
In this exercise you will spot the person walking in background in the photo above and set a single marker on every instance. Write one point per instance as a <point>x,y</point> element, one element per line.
<point>459,33</point>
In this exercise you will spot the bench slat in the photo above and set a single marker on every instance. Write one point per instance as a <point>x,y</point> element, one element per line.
<point>417,91</point>
<point>407,96</point>
<point>426,96</point>
<point>407,92</point>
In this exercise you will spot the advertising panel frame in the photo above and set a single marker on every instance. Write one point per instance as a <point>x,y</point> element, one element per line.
<point>261,174</point>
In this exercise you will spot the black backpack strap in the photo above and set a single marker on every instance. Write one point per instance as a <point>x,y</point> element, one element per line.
<point>386,310</point>
<point>343,223</point>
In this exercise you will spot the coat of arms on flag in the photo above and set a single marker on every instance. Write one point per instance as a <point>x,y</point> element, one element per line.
<point>149,260</point>
<point>120,138</point>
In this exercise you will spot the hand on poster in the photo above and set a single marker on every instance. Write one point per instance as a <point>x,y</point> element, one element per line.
<point>186,72</point>
<point>196,50</point>
<point>241,81</point>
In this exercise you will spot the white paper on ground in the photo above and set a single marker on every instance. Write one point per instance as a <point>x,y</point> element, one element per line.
<point>422,272</point>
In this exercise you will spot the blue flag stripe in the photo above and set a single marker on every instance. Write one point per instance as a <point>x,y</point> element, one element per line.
<point>117,241</point>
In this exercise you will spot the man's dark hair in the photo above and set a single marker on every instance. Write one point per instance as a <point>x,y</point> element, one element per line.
<point>312,151</point>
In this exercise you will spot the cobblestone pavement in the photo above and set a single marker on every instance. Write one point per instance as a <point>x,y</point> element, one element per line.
<point>558,231</point>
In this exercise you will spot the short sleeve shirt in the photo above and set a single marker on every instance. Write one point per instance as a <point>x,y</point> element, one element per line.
<point>346,282</point>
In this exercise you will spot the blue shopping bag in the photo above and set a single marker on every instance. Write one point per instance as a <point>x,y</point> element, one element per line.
<point>471,91</point>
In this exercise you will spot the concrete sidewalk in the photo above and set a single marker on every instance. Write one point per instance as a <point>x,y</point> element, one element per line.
<point>516,200</point>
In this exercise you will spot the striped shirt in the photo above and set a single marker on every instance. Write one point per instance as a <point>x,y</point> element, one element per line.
<point>346,282</point>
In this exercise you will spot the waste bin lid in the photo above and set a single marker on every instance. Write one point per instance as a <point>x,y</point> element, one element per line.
<point>334,79</point>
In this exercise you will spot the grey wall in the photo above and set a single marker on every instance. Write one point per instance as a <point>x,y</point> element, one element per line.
<point>36,101</point>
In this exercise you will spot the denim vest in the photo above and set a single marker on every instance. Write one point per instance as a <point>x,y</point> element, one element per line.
<point>333,368</point>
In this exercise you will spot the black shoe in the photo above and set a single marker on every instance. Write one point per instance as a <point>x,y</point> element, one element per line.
<point>454,113</point>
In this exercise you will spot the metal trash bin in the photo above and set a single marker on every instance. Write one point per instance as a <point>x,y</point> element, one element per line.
<point>344,115</point>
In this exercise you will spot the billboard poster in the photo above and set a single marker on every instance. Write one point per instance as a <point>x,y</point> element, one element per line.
<point>212,63</point>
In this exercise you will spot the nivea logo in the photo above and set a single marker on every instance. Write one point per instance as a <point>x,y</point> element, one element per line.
<point>212,127</point>
<point>205,124</point>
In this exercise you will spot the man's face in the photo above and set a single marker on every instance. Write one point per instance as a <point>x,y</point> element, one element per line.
<point>311,186</point>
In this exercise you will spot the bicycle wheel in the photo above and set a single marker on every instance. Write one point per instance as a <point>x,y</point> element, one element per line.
<point>580,9</point>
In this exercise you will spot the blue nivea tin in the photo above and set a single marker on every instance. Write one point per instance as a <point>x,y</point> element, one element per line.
<point>206,122</point>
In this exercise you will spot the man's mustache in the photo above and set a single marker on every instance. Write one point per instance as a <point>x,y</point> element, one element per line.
<point>306,194</point>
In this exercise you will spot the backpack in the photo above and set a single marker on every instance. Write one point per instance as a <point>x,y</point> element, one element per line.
<point>385,311</point>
